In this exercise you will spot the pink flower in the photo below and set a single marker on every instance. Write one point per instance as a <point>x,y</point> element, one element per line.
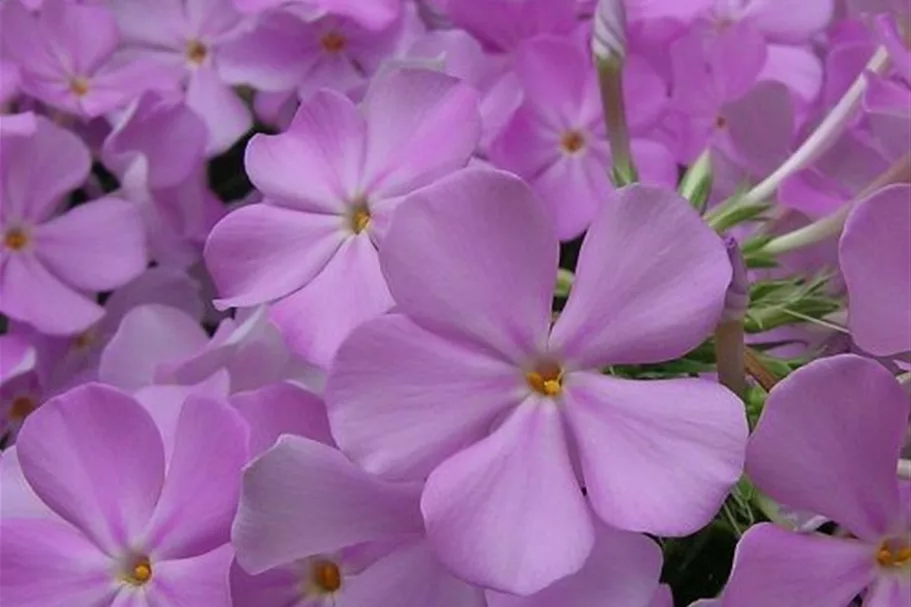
<point>374,15</point>
<point>331,183</point>
<point>557,140</point>
<point>500,25</point>
<point>471,385</point>
<point>827,442</point>
<point>123,524</point>
<point>314,530</point>
<point>47,263</point>
<point>874,256</point>
<point>66,54</point>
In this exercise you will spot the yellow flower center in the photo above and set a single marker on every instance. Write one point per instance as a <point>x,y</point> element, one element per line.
<point>21,407</point>
<point>546,379</point>
<point>360,218</point>
<point>894,553</point>
<point>196,52</point>
<point>325,577</point>
<point>139,571</point>
<point>572,141</point>
<point>79,86</point>
<point>15,239</point>
<point>333,42</point>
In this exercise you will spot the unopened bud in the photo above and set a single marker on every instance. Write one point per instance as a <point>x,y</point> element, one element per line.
<point>609,33</point>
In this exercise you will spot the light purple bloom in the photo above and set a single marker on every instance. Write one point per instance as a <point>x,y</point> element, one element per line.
<point>128,527</point>
<point>827,442</point>
<point>314,530</point>
<point>557,140</point>
<point>471,385</point>
<point>500,25</point>
<point>374,15</point>
<point>875,256</point>
<point>331,184</point>
<point>66,54</point>
<point>48,263</point>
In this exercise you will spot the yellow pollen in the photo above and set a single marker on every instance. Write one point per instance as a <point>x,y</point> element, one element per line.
<point>360,218</point>
<point>196,51</point>
<point>141,572</point>
<point>572,141</point>
<point>21,407</point>
<point>79,86</point>
<point>890,555</point>
<point>547,379</point>
<point>16,239</point>
<point>326,576</point>
<point>333,42</point>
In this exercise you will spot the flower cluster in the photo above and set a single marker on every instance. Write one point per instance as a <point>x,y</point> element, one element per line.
<point>455,303</point>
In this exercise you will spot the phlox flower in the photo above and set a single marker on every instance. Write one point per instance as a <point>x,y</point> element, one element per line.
<point>874,257</point>
<point>501,25</point>
<point>374,15</point>
<point>471,383</point>
<point>557,139</point>
<point>123,524</point>
<point>331,183</point>
<point>48,263</point>
<point>827,442</point>
<point>66,54</point>
<point>314,530</point>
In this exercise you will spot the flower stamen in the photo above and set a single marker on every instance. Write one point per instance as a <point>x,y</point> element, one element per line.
<point>139,571</point>
<point>79,86</point>
<point>894,553</point>
<point>546,379</point>
<point>15,239</point>
<point>572,141</point>
<point>333,42</point>
<point>196,52</point>
<point>360,218</point>
<point>21,407</point>
<point>325,577</point>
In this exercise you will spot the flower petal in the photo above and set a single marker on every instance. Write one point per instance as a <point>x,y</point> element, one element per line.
<point>874,258</point>
<point>95,457</point>
<point>410,577</point>
<point>401,399</point>
<point>200,580</point>
<point>283,408</point>
<point>411,141</point>
<point>28,292</point>
<point>148,337</point>
<point>348,291</point>
<point>48,563</point>
<point>508,513</point>
<point>828,440</point>
<point>199,496</point>
<point>97,246</point>
<point>303,498</point>
<point>650,282</point>
<point>686,436</point>
<point>317,163</point>
<point>475,254</point>
<point>38,170</point>
<point>773,566</point>
<point>263,252</point>
<point>623,569</point>
<point>224,113</point>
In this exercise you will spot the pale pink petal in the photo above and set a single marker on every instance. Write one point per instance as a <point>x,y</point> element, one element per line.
<point>38,170</point>
<point>28,292</point>
<point>262,252</point>
<point>200,580</point>
<point>411,141</point>
<point>774,566</point>
<point>888,591</point>
<point>269,58</point>
<point>95,457</point>
<point>796,67</point>
<point>410,577</point>
<point>622,569</point>
<point>786,21</point>
<point>17,356</point>
<point>148,336</point>
<point>508,513</point>
<point>157,23</point>
<point>277,587</point>
<point>224,113</point>
<point>686,436</point>
<point>663,597</point>
<point>348,291</point>
<point>51,564</point>
<point>283,408</point>
<point>458,246</point>
<point>402,399</point>
<point>554,73</point>
<point>17,500</point>
<point>573,188</point>
<point>827,442</point>
<point>303,498</point>
<point>877,267</point>
<point>96,246</point>
<point>200,493</point>
<point>650,282</point>
<point>315,165</point>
